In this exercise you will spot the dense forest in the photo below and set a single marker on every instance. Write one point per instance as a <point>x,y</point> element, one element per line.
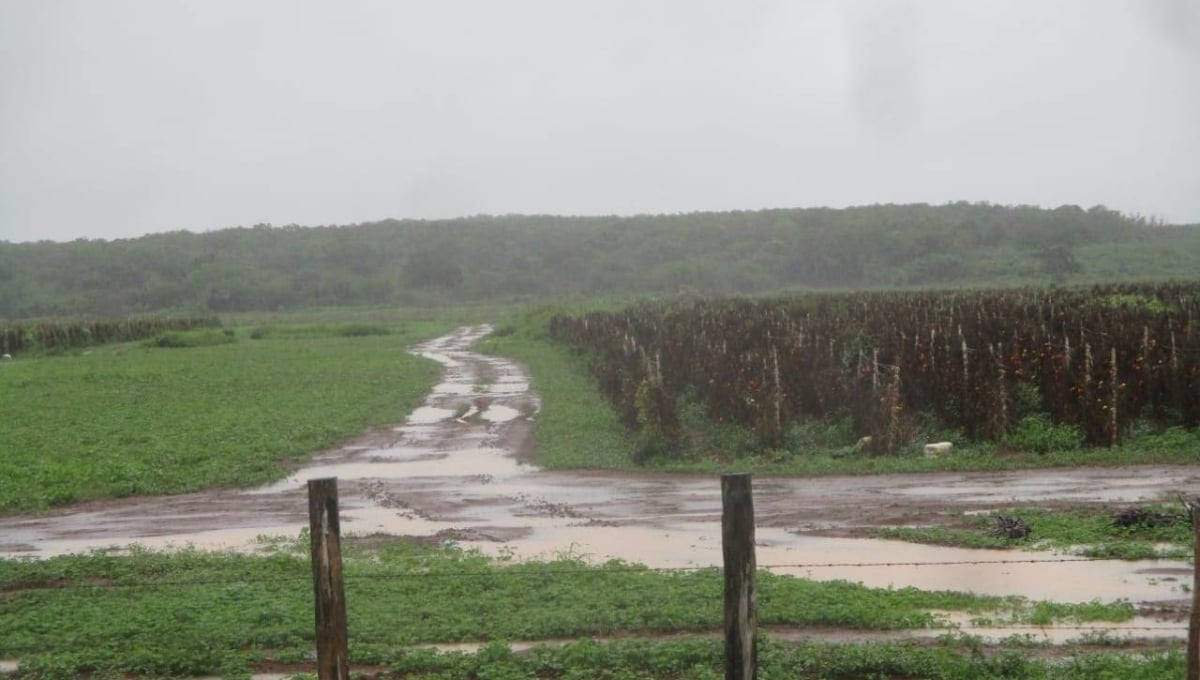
<point>503,258</point>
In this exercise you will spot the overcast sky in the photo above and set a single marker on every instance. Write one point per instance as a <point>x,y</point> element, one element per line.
<point>120,118</point>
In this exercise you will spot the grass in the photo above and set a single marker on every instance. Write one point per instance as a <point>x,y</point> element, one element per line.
<point>1089,532</point>
<point>579,429</point>
<point>701,659</point>
<point>125,420</point>
<point>196,612</point>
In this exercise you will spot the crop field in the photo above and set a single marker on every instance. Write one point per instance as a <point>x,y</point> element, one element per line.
<point>187,410</point>
<point>1032,371</point>
<point>194,612</point>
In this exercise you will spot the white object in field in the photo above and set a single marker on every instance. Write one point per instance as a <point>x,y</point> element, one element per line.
<point>937,449</point>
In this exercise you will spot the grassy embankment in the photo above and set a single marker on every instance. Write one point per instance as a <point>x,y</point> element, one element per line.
<point>579,429</point>
<point>194,612</point>
<point>202,409</point>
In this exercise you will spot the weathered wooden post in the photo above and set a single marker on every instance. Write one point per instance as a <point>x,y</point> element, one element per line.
<point>333,658</point>
<point>1193,647</point>
<point>737,543</point>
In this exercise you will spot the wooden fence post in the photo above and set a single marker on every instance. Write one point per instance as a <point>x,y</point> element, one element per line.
<point>737,543</point>
<point>1193,646</point>
<point>333,659</point>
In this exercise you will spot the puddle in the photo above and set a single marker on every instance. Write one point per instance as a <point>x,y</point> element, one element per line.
<point>461,389</point>
<point>520,387</point>
<point>1137,628</point>
<point>807,556</point>
<point>440,475</point>
<point>1004,488</point>
<point>500,414</point>
<point>427,415</point>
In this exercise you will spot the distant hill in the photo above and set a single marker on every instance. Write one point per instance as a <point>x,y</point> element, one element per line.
<point>502,258</point>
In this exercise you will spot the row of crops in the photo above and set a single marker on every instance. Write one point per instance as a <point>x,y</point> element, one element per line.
<point>60,335</point>
<point>1096,359</point>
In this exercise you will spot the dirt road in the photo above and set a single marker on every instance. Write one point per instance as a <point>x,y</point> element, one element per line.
<point>454,471</point>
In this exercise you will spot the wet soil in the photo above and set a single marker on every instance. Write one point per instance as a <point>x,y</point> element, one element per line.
<point>457,470</point>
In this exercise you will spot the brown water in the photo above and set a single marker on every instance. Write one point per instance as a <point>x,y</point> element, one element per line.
<point>454,469</point>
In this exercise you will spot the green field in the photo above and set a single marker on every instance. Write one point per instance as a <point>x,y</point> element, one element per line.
<point>194,612</point>
<point>190,411</point>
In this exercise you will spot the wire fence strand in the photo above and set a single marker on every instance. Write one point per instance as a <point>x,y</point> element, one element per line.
<point>581,570</point>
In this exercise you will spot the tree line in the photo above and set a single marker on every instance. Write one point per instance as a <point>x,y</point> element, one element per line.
<point>514,257</point>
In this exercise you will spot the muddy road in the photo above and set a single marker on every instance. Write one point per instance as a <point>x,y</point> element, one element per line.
<point>456,470</point>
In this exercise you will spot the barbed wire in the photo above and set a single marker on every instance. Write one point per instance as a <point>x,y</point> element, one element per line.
<point>1052,626</point>
<point>942,563</point>
<point>520,569</point>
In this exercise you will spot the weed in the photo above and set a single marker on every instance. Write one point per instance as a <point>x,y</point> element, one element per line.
<point>1035,433</point>
<point>195,338</point>
<point>1090,532</point>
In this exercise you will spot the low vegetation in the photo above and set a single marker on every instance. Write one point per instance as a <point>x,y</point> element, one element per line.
<point>702,659</point>
<point>196,612</point>
<point>217,409</point>
<point>1147,532</point>
<point>183,339</point>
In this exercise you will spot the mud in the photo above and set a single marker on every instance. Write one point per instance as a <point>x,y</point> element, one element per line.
<point>456,470</point>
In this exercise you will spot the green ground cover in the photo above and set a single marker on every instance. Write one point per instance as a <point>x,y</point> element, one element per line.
<point>578,428</point>
<point>195,612</point>
<point>201,409</point>
<point>1090,532</point>
<point>702,659</point>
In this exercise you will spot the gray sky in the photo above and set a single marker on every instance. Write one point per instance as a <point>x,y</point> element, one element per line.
<point>119,118</point>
